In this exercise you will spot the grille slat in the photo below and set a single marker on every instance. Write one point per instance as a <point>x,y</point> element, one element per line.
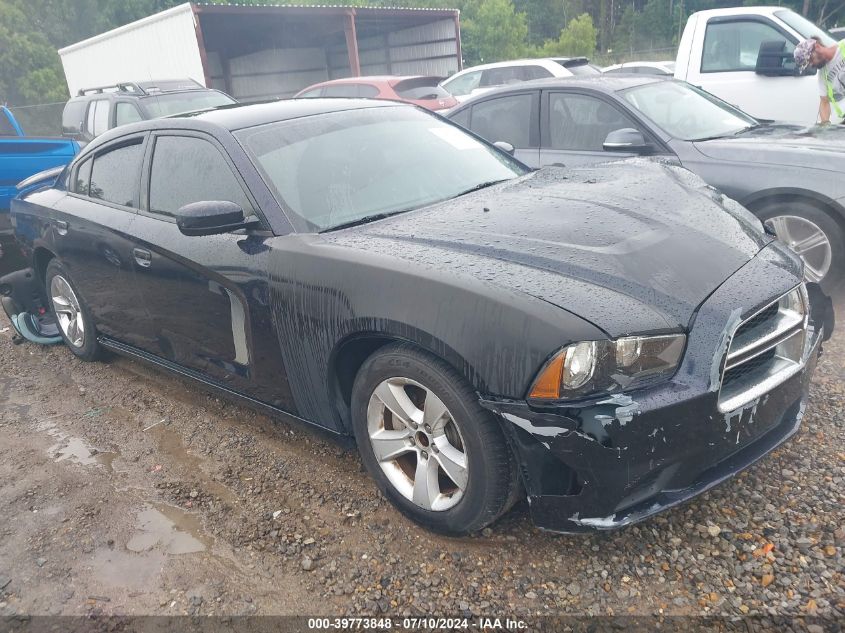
<point>765,350</point>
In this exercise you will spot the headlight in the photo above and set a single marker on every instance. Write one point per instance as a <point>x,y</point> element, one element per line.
<point>593,367</point>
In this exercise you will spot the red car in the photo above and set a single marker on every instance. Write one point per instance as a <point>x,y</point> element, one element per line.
<point>421,91</point>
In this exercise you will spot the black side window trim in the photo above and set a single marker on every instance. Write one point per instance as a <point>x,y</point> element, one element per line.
<point>112,145</point>
<point>146,180</point>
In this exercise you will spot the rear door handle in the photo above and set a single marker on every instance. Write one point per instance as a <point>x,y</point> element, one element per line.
<point>61,227</point>
<point>143,257</point>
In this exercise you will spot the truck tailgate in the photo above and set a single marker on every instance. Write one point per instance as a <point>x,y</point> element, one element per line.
<point>21,157</point>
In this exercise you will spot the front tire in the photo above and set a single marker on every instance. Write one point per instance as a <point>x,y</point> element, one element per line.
<point>814,235</point>
<point>76,325</point>
<point>433,451</point>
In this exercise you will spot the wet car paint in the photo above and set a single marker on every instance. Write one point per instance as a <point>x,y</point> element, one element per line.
<point>493,282</point>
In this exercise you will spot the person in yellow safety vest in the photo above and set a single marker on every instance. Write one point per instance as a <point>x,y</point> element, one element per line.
<point>830,62</point>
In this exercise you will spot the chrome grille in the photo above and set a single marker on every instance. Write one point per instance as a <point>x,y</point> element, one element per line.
<point>765,350</point>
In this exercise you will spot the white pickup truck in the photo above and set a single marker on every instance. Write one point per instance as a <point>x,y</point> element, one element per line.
<point>744,56</point>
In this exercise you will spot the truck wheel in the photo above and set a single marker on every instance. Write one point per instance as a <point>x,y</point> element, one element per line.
<point>814,235</point>
<point>433,451</point>
<point>75,323</point>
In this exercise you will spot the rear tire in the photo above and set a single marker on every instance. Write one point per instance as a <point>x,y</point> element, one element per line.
<point>443,461</point>
<point>76,325</point>
<point>795,222</point>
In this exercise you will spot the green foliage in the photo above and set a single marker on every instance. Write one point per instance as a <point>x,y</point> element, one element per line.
<point>652,28</point>
<point>31,31</point>
<point>578,39</point>
<point>492,30</point>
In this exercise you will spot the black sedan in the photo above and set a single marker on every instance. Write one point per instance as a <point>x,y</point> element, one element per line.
<point>792,178</point>
<point>609,341</point>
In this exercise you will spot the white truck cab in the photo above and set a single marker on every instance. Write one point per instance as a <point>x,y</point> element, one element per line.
<point>743,55</point>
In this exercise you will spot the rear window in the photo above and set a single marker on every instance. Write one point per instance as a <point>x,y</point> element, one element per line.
<point>6,128</point>
<point>579,66</point>
<point>72,117</point>
<point>115,175</point>
<point>420,88</point>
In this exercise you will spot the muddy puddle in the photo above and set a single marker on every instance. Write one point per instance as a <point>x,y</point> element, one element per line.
<point>170,443</point>
<point>169,529</point>
<point>76,449</point>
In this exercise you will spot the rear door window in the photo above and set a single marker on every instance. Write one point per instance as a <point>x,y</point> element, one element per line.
<point>116,174</point>
<point>535,72</point>
<point>504,119</point>
<point>101,118</point>
<point>187,169</point>
<point>83,178</point>
<point>125,113</point>
<point>502,76</point>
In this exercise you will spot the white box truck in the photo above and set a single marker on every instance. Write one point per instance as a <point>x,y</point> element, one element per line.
<point>744,56</point>
<point>263,52</point>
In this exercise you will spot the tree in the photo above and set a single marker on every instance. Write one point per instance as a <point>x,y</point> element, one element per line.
<point>492,30</point>
<point>577,39</point>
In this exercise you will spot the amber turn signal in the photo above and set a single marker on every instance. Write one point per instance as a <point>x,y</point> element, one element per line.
<point>547,385</point>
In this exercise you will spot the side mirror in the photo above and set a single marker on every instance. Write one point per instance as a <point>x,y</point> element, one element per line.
<point>773,61</point>
<point>626,139</point>
<point>210,217</point>
<point>505,147</point>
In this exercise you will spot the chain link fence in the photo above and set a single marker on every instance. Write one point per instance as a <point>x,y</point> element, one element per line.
<point>40,120</point>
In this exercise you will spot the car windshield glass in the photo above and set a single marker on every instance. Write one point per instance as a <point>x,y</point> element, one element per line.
<point>344,167</point>
<point>805,28</point>
<point>182,102</point>
<point>686,112</point>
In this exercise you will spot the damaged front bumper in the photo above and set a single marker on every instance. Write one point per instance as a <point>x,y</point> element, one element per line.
<point>615,460</point>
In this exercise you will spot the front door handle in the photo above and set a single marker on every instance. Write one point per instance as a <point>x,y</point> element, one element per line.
<point>61,227</point>
<point>143,257</point>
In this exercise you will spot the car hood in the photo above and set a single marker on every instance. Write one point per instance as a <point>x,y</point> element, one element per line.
<point>630,246</point>
<point>818,147</point>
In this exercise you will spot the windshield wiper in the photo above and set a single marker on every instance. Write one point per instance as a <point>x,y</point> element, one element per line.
<point>480,186</point>
<point>747,128</point>
<point>725,135</point>
<point>366,220</point>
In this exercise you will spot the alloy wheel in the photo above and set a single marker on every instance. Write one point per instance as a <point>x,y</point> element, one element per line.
<point>417,444</point>
<point>808,240</point>
<point>68,313</point>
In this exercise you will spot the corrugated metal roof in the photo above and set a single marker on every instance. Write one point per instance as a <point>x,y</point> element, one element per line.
<point>323,6</point>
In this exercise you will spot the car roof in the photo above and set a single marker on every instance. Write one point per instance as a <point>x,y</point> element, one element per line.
<point>367,79</point>
<point>602,83</point>
<point>517,62</point>
<point>239,116</point>
<point>729,11</point>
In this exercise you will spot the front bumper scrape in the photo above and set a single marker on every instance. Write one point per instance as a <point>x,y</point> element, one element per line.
<point>614,461</point>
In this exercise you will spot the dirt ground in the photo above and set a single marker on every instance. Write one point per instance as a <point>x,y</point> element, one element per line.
<point>127,491</point>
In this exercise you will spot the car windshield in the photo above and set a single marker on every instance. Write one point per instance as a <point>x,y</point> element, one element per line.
<point>168,104</point>
<point>350,166</point>
<point>686,112</point>
<point>804,27</point>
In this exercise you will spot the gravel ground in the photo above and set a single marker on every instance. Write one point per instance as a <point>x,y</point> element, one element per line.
<point>126,491</point>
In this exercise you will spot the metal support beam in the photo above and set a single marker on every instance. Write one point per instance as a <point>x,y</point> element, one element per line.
<point>352,43</point>
<point>458,41</point>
